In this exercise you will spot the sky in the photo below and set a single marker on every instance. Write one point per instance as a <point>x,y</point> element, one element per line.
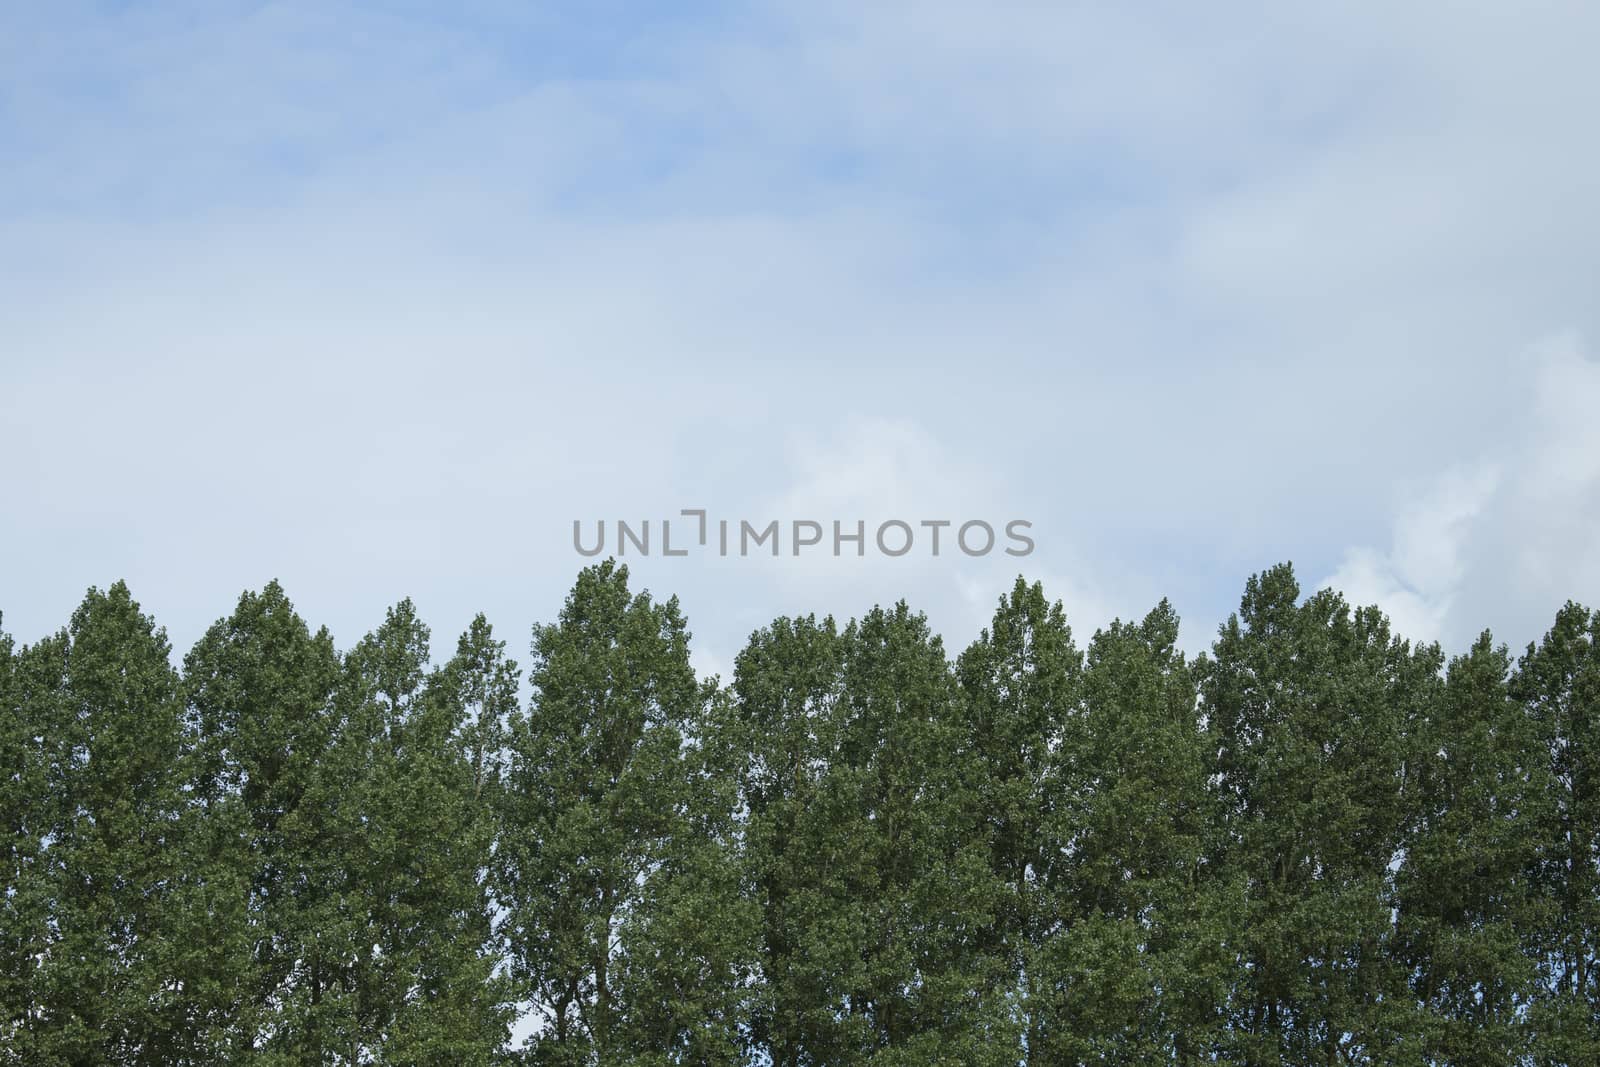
<point>377,299</point>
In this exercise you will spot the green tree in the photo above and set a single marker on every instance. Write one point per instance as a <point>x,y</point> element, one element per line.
<point>33,713</point>
<point>101,989</point>
<point>787,689</point>
<point>1558,682</point>
<point>417,840</point>
<point>594,794</point>
<point>1465,889</point>
<point>1308,708</point>
<point>272,985</point>
<point>1020,686</point>
<point>918,892</point>
<point>687,971</point>
<point>1135,967</point>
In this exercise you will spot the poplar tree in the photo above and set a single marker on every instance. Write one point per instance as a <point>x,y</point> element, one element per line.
<point>1020,686</point>
<point>1308,708</point>
<point>905,935</point>
<point>101,985</point>
<point>689,962</point>
<point>33,711</point>
<point>275,983</point>
<point>1558,682</point>
<point>475,695</point>
<point>788,686</point>
<point>593,795</point>
<point>1134,968</point>
<point>416,842</point>
<point>1466,888</point>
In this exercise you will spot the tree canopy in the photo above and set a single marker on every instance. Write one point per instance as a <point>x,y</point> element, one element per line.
<point>1317,843</point>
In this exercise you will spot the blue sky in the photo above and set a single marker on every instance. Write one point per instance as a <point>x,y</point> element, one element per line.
<point>378,298</point>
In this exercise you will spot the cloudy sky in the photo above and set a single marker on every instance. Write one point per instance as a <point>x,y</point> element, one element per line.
<point>379,298</point>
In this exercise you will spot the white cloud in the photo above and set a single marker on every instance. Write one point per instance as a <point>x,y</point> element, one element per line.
<point>1503,543</point>
<point>1415,581</point>
<point>381,301</point>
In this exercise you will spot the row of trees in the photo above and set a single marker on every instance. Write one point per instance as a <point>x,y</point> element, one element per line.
<point>1317,844</point>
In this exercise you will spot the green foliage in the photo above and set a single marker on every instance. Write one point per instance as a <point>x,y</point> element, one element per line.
<point>1020,692</point>
<point>99,734</point>
<point>272,987</point>
<point>32,715</point>
<point>613,891</point>
<point>1468,887</point>
<point>1134,964</point>
<point>417,835</point>
<point>1308,704</point>
<point>788,688</point>
<point>1558,682</point>
<point>1316,844</point>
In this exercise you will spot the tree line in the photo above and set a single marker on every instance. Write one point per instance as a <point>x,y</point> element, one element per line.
<point>1315,844</point>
